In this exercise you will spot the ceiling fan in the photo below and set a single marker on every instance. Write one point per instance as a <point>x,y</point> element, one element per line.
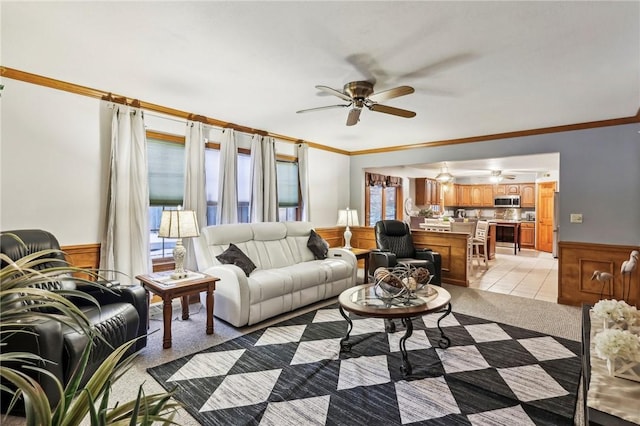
<point>360,94</point>
<point>497,176</point>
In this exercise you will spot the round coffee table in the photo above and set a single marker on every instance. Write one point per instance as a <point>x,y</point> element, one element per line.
<point>362,300</point>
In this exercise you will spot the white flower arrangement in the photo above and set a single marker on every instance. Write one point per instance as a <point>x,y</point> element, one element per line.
<point>615,343</point>
<point>616,310</point>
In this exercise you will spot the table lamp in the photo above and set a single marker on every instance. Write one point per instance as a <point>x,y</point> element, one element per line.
<point>178,224</point>
<point>345,218</point>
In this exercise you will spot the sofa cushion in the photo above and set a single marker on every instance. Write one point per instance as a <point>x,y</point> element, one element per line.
<point>234,256</point>
<point>317,245</point>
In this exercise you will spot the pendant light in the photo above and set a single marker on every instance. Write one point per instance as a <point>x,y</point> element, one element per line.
<point>444,175</point>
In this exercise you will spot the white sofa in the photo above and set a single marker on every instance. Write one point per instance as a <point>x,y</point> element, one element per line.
<point>287,277</point>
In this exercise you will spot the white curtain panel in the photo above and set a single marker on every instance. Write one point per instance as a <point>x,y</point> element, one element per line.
<point>125,246</point>
<point>227,182</point>
<point>303,171</point>
<point>195,197</point>
<point>270,180</point>
<point>264,184</point>
<point>257,185</point>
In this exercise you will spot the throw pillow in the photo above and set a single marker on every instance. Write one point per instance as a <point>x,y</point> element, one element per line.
<point>318,246</point>
<point>234,256</point>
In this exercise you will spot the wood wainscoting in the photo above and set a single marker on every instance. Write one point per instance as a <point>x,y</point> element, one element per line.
<point>83,256</point>
<point>578,261</point>
<point>88,256</point>
<point>452,246</point>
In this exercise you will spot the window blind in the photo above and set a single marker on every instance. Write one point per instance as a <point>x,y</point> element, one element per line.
<point>166,173</point>
<point>287,184</point>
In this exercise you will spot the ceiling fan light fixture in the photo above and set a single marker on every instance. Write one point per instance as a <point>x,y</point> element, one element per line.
<point>360,94</point>
<point>496,176</point>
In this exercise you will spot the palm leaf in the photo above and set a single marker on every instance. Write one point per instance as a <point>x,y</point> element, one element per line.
<point>23,301</point>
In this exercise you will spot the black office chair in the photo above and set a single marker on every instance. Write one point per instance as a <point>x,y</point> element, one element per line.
<point>395,246</point>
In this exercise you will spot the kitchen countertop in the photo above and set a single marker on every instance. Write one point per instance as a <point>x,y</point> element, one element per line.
<point>510,221</point>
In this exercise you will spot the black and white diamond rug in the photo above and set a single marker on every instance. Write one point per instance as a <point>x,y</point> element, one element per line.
<point>292,373</point>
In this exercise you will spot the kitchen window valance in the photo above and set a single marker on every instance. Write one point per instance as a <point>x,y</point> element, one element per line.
<point>374,179</point>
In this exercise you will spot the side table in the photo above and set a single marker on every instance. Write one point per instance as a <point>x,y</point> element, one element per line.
<point>169,289</point>
<point>363,254</point>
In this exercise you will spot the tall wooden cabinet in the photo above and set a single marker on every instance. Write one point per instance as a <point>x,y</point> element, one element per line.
<point>427,192</point>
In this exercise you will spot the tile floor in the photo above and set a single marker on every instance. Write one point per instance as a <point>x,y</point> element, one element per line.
<point>530,273</point>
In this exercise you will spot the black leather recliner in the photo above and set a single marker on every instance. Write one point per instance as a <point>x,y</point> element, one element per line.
<point>121,317</point>
<point>395,246</point>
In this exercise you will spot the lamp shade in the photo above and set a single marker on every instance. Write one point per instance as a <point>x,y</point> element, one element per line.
<point>178,224</point>
<point>348,217</point>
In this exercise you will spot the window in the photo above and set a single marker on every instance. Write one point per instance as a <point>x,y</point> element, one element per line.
<point>382,197</point>
<point>166,187</point>
<point>211,165</point>
<point>288,191</point>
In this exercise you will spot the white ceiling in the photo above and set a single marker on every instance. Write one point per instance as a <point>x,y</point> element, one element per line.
<point>526,167</point>
<point>478,67</point>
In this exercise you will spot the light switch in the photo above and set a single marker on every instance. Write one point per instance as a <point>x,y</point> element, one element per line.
<point>576,217</point>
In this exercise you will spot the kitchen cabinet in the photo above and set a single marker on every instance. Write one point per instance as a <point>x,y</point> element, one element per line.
<point>433,190</point>
<point>507,189</point>
<point>464,195</point>
<point>469,196</point>
<point>450,193</point>
<point>487,195</point>
<point>512,189</point>
<point>527,194</point>
<point>528,235</point>
<point>427,192</point>
<point>476,196</point>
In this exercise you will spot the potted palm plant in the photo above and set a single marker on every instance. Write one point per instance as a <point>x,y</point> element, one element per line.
<point>23,300</point>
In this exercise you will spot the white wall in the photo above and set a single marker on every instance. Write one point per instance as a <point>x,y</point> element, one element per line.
<point>54,159</point>
<point>328,187</point>
<point>54,153</point>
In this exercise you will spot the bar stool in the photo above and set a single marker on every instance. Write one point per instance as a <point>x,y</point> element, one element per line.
<point>480,240</point>
<point>469,228</point>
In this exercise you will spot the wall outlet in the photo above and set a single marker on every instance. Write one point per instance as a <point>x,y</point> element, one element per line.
<point>576,217</point>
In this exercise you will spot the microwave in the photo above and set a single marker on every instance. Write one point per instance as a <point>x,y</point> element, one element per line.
<point>506,201</point>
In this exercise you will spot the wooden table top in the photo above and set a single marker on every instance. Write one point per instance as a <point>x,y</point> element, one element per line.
<point>159,284</point>
<point>359,251</point>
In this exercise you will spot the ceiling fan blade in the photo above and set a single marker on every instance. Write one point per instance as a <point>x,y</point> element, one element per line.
<point>438,66</point>
<point>334,92</point>
<point>354,116</point>
<point>391,93</point>
<point>321,108</point>
<point>393,111</point>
